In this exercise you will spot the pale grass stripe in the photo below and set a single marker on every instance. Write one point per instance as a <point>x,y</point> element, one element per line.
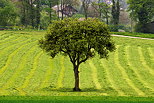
<point>94,75</point>
<point>110,80</point>
<point>47,75</point>
<point>143,62</point>
<point>19,69</point>
<point>31,73</point>
<point>125,75</point>
<point>10,57</point>
<point>139,77</point>
<point>61,74</point>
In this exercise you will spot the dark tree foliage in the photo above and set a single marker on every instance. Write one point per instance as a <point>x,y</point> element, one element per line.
<point>80,40</point>
<point>142,11</point>
<point>8,13</point>
<point>115,14</point>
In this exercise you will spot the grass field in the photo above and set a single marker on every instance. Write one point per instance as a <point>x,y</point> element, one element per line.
<point>25,70</point>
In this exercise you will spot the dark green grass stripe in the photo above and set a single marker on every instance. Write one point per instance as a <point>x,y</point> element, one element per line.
<point>53,80</point>
<point>31,73</point>
<point>110,77</point>
<point>46,78</point>
<point>36,80</point>
<point>8,46</point>
<point>11,68</point>
<point>68,82</point>
<point>26,69</point>
<point>146,70</point>
<point>143,62</point>
<point>151,52</point>
<point>61,74</point>
<point>150,55</point>
<point>102,76</point>
<point>147,55</point>
<point>86,81</point>
<point>134,60</point>
<point>120,76</point>
<point>136,75</point>
<point>19,68</point>
<point>10,57</point>
<point>124,71</point>
<point>94,75</point>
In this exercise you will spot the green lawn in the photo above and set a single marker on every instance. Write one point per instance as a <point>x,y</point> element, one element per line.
<point>25,70</point>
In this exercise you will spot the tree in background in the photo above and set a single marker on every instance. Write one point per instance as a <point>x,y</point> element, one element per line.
<point>115,14</point>
<point>79,40</point>
<point>38,13</point>
<point>85,6</point>
<point>8,13</point>
<point>103,10</point>
<point>141,11</point>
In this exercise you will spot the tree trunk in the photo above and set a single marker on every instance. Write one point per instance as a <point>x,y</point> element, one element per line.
<point>76,75</point>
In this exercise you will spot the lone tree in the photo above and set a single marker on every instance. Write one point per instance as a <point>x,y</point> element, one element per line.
<point>80,40</point>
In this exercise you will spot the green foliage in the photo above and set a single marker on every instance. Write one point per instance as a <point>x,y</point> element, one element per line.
<point>142,11</point>
<point>45,19</point>
<point>78,39</point>
<point>103,9</point>
<point>8,13</point>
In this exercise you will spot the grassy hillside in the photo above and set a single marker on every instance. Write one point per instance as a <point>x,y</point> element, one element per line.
<point>25,70</point>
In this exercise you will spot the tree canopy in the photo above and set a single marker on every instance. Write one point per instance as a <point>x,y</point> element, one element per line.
<point>142,11</point>
<point>80,40</point>
<point>8,13</point>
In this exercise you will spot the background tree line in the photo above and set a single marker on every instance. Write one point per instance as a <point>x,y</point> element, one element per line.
<point>39,13</point>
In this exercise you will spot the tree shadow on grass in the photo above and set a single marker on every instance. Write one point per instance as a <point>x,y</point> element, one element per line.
<point>50,88</point>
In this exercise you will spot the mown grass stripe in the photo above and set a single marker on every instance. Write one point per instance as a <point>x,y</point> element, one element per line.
<point>10,39</point>
<point>12,45</point>
<point>61,74</point>
<point>31,73</point>
<point>111,81</point>
<point>125,75</point>
<point>94,75</point>
<point>45,81</point>
<point>19,69</point>
<point>10,57</point>
<point>139,77</point>
<point>5,36</point>
<point>143,62</point>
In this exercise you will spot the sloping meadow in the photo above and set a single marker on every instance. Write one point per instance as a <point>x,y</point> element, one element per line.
<point>25,70</point>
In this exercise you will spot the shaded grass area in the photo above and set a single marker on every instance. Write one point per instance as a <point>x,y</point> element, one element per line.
<point>134,34</point>
<point>75,99</point>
